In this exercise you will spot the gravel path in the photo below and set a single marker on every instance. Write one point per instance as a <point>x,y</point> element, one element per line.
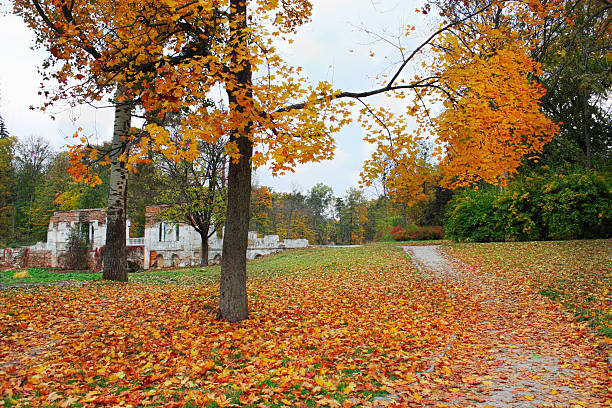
<point>520,349</point>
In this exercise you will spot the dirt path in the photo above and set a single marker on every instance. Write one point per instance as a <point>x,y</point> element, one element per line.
<point>519,348</point>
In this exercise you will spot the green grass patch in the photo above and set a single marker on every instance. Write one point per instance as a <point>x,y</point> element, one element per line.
<point>281,264</point>
<point>44,275</point>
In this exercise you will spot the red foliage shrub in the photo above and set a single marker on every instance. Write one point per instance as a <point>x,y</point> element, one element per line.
<point>396,229</point>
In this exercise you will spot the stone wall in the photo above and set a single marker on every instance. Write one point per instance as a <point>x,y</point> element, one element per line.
<point>18,258</point>
<point>165,244</point>
<point>168,244</point>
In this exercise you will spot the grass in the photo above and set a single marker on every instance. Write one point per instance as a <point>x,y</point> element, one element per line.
<point>287,262</point>
<point>45,275</point>
<point>577,274</point>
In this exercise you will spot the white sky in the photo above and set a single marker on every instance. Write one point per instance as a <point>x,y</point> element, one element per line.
<point>322,47</point>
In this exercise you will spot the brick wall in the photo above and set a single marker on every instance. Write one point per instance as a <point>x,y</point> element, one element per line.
<point>94,214</point>
<point>152,214</point>
<point>19,258</point>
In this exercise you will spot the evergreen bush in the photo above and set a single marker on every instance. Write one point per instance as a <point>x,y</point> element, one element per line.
<point>550,206</point>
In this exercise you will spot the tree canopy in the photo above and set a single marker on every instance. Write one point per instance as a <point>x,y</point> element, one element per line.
<point>167,56</point>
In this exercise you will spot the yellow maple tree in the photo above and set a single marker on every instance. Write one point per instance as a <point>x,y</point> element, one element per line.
<point>169,55</point>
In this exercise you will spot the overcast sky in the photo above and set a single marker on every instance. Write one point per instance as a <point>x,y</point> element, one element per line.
<point>332,47</point>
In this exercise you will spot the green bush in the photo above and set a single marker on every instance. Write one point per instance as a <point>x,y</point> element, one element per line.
<point>471,216</point>
<point>578,206</point>
<point>550,206</point>
<point>518,210</point>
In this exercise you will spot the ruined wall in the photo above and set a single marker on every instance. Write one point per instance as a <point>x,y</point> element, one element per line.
<point>52,254</point>
<point>165,244</point>
<point>26,257</point>
<point>177,245</point>
<point>168,244</point>
<point>61,224</point>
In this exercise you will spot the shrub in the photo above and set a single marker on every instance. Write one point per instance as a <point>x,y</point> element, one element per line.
<point>518,210</point>
<point>471,217</point>
<point>414,233</point>
<point>77,251</point>
<point>577,206</point>
<point>403,233</point>
<point>552,206</point>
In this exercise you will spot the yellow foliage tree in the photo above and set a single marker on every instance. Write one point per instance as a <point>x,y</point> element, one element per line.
<point>168,55</point>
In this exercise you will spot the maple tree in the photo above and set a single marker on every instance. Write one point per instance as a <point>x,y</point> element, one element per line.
<point>102,49</point>
<point>167,56</point>
<point>484,78</point>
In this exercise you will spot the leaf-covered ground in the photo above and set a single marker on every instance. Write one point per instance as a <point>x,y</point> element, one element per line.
<point>515,347</point>
<point>328,327</point>
<point>578,274</point>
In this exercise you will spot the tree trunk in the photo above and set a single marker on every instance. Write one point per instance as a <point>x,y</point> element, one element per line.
<point>115,257</point>
<point>30,216</point>
<point>233,302</point>
<point>204,248</point>
<point>585,129</point>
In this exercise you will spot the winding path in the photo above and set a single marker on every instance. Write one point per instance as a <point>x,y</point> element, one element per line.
<point>520,349</point>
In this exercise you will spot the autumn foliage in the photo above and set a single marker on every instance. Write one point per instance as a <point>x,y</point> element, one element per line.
<point>481,72</point>
<point>496,120</point>
<point>327,327</point>
<point>168,56</point>
<point>573,273</point>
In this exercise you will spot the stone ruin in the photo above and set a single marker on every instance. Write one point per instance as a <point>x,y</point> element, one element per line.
<point>52,254</point>
<point>165,244</point>
<point>168,244</point>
